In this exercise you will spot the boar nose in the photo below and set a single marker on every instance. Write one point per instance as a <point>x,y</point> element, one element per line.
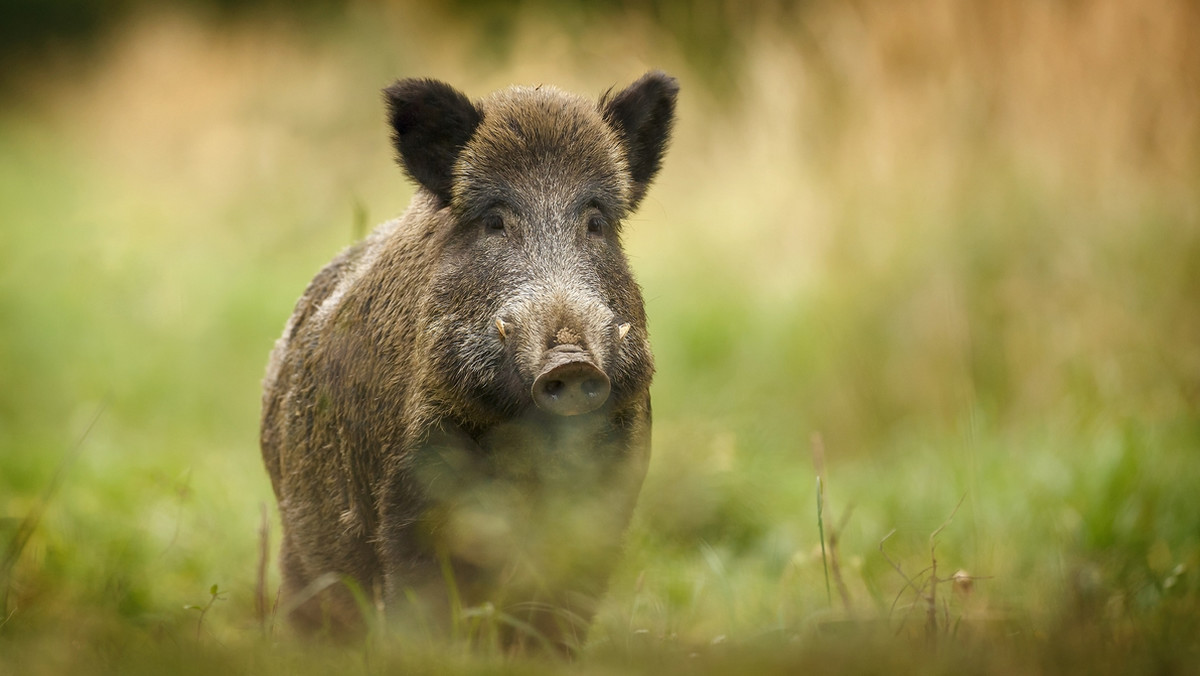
<point>570,384</point>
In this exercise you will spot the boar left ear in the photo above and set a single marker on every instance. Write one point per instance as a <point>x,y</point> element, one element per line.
<point>643,114</point>
<point>431,122</point>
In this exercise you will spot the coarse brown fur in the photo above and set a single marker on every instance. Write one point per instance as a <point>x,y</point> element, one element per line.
<point>399,430</point>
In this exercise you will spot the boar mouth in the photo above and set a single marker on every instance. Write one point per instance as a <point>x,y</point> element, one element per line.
<point>570,383</point>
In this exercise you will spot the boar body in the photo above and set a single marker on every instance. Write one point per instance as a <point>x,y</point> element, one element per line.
<point>458,410</point>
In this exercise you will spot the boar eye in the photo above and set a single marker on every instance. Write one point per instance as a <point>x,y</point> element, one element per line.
<point>596,224</point>
<point>494,224</point>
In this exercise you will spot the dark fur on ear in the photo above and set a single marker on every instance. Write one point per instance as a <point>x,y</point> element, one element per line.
<point>643,114</point>
<point>431,122</point>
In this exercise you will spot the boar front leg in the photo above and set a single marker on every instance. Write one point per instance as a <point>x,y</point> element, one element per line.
<point>423,578</point>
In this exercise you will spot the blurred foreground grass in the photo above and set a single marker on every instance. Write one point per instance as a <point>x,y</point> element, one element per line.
<point>955,245</point>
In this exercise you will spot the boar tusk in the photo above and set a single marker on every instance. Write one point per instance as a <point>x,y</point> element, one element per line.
<point>621,331</point>
<point>502,328</point>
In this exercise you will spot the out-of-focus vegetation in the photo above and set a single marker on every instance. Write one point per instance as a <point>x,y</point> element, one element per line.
<point>955,245</point>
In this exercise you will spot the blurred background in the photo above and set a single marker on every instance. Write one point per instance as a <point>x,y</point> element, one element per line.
<point>946,251</point>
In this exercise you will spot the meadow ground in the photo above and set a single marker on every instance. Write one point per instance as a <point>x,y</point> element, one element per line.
<point>947,252</point>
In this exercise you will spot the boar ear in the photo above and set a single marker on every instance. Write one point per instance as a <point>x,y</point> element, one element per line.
<point>643,114</point>
<point>431,122</point>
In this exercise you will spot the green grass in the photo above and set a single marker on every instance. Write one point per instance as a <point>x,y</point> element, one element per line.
<point>978,293</point>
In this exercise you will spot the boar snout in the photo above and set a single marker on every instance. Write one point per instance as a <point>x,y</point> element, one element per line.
<point>570,384</point>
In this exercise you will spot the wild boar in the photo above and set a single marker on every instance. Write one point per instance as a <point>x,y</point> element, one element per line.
<point>458,411</point>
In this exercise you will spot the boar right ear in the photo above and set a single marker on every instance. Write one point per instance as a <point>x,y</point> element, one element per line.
<point>431,122</point>
<point>643,115</point>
